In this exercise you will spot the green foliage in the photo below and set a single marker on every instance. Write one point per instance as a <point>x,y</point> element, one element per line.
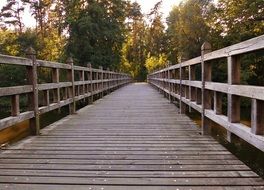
<point>187,29</point>
<point>236,21</point>
<point>145,43</point>
<point>156,62</point>
<point>97,32</point>
<point>155,38</point>
<point>8,43</point>
<point>134,49</point>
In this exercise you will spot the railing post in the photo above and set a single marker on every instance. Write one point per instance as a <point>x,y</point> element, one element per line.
<point>56,79</point>
<point>101,83</point>
<point>170,85</point>
<point>233,112</point>
<point>96,84</point>
<point>192,92</point>
<point>90,78</point>
<point>218,103</point>
<point>46,98</point>
<point>108,78</point>
<point>257,119</point>
<point>206,96</point>
<point>82,89</point>
<point>33,97</point>
<point>72,106</point>
<point>15,110</point>
<point>182,104</point>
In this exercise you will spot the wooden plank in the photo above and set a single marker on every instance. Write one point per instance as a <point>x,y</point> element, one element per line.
<point>9,121</point>
<point>54,106</point>
<point>122,187</point>
<point>6,59</point>
<point>67,173</point>
<point>121,152</point>
<point>158,150</point>
<point>49,64</point>
<point>239,90</point>
<point>116,157</point>
<point>79,68</point>
<point>120,162</point>
<point>49,86</point>
<point>132,181</point>
<point>120,167</point>
<point>8,91</point>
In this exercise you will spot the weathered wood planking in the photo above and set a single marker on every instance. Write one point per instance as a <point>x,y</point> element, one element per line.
<point>132,139</point>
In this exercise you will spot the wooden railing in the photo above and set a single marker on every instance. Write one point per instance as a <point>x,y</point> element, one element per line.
<point>90,82</point>
<point>179,82</point>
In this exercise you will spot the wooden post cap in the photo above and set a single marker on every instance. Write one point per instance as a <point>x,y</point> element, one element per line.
<point>206,47</point>
<point>69,60</point>
<point>89,65</point>
<point>30,51</point>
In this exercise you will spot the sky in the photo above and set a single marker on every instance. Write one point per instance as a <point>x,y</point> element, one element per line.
<point>146,5</point>
<point>167,5</point>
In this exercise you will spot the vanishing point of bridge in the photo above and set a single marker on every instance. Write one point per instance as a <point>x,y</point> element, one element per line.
<point>133,138</point>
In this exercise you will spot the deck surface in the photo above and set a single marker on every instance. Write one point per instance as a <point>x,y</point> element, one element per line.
<point>131,139</point>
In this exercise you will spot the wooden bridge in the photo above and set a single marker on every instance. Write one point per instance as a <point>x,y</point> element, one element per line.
<point>133,138</point>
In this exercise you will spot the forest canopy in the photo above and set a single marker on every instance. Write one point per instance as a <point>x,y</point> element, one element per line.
<point>116,34</point>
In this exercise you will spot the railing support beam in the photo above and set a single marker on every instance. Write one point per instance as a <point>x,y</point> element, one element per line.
<point>33,97</point>
<point>206,95</point>
<point>72,106</point>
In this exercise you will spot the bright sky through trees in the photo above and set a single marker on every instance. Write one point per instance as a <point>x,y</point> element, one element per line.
<point>167,5</point>
<point>146,5</point>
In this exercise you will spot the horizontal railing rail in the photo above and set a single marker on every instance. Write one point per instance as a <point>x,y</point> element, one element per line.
<point>45,97</point>
<point>179,82</point>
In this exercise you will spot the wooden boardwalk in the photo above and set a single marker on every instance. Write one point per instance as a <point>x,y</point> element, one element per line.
<point>131,139</point>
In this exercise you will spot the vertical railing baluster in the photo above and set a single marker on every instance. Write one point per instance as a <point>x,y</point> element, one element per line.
<point>233,111</point>
<point>257,117</point>
<point>70,76</point>
<point>15,110</point>
<point>90,78</point>
<point>33,97</point>
<point>206,96</point>
<point>56,91</point>
<point>101,82</point>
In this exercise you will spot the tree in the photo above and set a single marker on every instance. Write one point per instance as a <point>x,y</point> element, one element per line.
<point>134,49</point>
<point>11,14</point>
<point>155,32</point>
<point>187,29</point>
<point>233,22</point>
<point>96,30</point>
<point>156,40</point>
<point>156,62</point>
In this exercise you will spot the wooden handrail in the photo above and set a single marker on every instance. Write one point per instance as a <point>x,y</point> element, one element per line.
<point>63,93</point>
<point>198,94</point>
